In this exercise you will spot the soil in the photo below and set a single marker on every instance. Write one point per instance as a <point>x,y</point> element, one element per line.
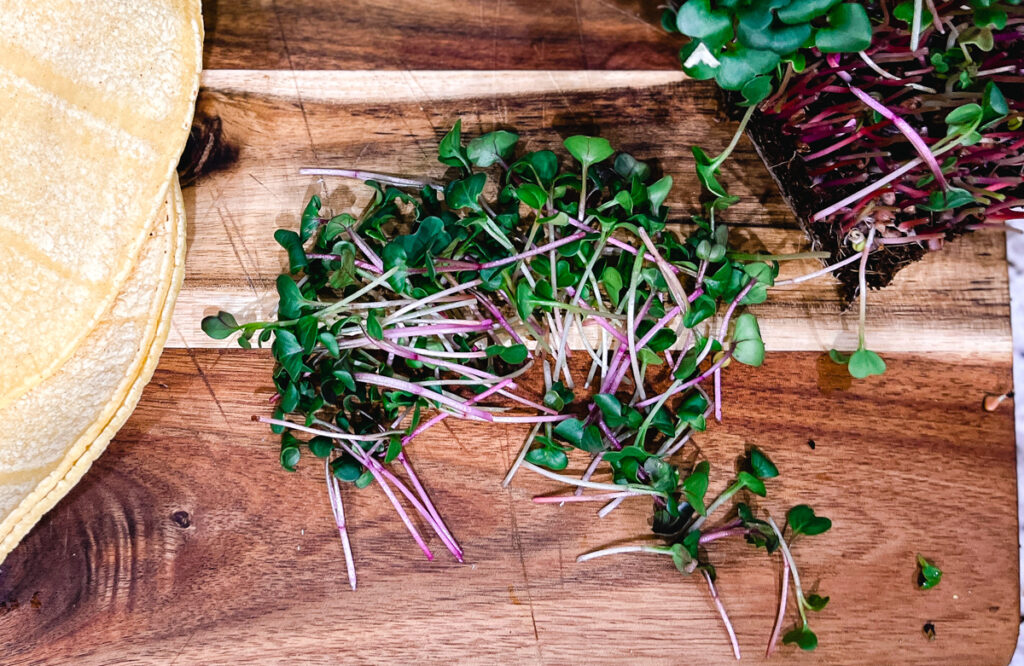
<point>783,162</point>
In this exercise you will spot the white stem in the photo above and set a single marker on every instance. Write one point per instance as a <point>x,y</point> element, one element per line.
<point>334,493</point>
<point>619,550</point>
<point>522,454</point>
<point>725,616</point>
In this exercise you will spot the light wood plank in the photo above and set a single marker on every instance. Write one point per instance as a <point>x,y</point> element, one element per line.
<point>953,300</point>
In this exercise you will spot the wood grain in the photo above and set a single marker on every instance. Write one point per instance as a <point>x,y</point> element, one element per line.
<point>440,34</point>
<point>391,121</point>
<point>187,543</point>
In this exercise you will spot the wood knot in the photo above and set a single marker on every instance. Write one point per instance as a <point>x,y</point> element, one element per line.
<point>206,150</point>
<point>181,519</point>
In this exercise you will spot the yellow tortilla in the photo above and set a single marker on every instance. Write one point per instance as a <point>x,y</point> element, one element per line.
<point>96,99</point>
<point>55,431</point>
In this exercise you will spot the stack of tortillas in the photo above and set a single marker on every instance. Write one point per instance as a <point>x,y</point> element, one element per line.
<point>96,100</point>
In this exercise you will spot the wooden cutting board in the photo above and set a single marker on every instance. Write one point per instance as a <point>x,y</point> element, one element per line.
<point>187,543</point>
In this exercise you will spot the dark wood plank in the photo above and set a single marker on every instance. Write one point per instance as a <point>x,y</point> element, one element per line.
<point>440,34</point>
<point>187,543</point>
<point>393,121</point>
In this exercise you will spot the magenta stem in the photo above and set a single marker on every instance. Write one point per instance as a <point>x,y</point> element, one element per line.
<point>696,380</point>
<point>535,251</point>
<point>426,425</point>
<point>597,497</point>
<point>425,498</point>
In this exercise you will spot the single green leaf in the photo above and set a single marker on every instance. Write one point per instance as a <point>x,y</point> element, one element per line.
<point>290,300</point>
<point>816,602</point>
<point>803,637</point>
<point>588,149</point>
<point>291,242</point>
<point>465,193</point>
<point>698,20</point>
<point>848,31</point>
<point>493,147</point>
<point>532,195</point>
<point>219,326</point>
<point>751,483</point>
<point>450,150</point>
<point>762,465</point>
<point>310,219</point>
<point>695,486</point>
<point>805,11</point>
<point>611,279</point>
<point>549,457</point>
<point>658,191</point>
<point>749,348</point>
<point>321,446</point>
<point>346,468</point>
<point>394,448</point>
<point>838,357</point>
<point>802,520</point>
<point>864,363</point>
<point>743,64</point>
<point>928,575</point>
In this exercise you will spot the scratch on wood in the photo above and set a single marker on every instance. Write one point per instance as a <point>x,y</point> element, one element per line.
<point>272,193</point>
<point>295,80</point>
<point>238,256</point>
<point>202,374</point>
<point>579,27</point>
<point>518,543</point>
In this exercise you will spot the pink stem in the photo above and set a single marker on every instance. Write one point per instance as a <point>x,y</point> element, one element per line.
<point>443,415</point>
<point>696,380</point>
<point>535,251</point>
<point>721,611</point>
<point>425,498</point>
<point>777,630</point>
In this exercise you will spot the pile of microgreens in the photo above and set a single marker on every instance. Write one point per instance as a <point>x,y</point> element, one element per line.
<point>437,300</point>
<point>896,111</point>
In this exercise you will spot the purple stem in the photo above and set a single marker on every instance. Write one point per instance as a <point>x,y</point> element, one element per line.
<point>415,389</point>
<point>600,321</point>
<point>535,251</point>
<point>496,313</point>
<point>915,139</point>
<point>365,249</point>
<point>418,487</point>
<point>405,352</point>
<point>721,611</point>
<point>696,380</point>
<point>591,468</point>
<point>599,497</point>
<point>380,472</point>
<point>443,415</point>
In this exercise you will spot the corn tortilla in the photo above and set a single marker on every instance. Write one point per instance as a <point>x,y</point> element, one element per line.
<point>96,99</point>
<point>58,428</point>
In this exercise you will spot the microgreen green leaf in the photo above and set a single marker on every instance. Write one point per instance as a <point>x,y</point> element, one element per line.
<point>746,335</point>
<point>802,520</point>
<point>801,636</point>
<point>588,150</point>
<point>491,148</point>
<point>761,465</point>
<point>864,363</point>
<point>928,575</point>
<point>219,326</point>
<point>848,31</point>
<point>695,486</point>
